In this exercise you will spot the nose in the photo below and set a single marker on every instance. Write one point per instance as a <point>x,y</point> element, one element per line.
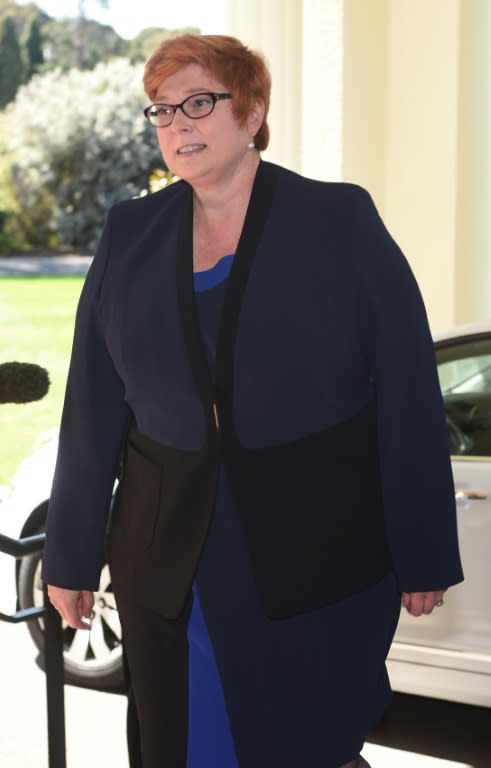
<point>180,121</point>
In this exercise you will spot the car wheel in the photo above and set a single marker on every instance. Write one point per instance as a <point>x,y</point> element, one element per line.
<point>92,659</point>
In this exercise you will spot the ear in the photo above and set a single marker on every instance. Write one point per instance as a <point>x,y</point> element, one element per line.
<point>256,118</point>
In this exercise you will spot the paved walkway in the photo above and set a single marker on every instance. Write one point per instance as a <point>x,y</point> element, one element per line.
<point>24,266</point>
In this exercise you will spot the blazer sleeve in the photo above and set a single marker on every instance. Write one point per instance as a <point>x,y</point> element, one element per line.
<point>93,425</point>
<point>416,474</point>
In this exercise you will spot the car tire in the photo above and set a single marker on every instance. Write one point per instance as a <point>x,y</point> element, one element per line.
<point>91,659</point>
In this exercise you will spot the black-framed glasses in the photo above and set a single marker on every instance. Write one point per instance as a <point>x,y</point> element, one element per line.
<point>196,106</point>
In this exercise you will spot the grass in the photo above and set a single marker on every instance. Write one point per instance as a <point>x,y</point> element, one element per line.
<point>36,326</point>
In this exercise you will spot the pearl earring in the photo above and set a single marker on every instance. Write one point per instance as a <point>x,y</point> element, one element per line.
<point>251,145</point>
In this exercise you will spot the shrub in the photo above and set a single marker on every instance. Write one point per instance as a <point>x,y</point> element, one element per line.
<point>77,142</point>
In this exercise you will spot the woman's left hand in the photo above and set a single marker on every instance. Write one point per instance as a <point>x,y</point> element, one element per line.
<point>417,603</point>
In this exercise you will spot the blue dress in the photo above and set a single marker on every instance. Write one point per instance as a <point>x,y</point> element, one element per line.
<point>263,693</point>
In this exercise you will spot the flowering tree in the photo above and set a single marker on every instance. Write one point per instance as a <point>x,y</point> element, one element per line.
<point>78,142</point>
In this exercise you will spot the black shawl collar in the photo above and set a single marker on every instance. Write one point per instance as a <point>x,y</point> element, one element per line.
<point>220,394</point>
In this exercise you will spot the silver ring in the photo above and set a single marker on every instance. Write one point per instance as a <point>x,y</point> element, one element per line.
<point>439,603</point>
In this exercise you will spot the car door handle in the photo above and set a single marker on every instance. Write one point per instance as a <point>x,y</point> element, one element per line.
<point>470,495</point>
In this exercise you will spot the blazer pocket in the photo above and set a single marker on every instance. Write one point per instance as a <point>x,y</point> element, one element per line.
<point>137,509</point>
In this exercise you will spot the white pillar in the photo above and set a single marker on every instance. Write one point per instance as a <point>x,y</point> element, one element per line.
<point>322,102</point>
<point>275,27</point>
<point>365,82</point>
<point>473,273</point>
<point>422,134</point>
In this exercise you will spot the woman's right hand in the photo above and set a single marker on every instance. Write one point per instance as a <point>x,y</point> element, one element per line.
<point>72,605</point>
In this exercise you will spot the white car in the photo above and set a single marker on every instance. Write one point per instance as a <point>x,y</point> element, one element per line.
<point>92,659</point>
<point>445,655</point>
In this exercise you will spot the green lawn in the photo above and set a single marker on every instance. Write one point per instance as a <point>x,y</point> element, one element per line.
<point>36,326</point>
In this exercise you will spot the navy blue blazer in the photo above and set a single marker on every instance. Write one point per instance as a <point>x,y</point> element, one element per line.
<point>325,406</point>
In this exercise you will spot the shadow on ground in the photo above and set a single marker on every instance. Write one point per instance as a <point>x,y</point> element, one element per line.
<point>442,729</point>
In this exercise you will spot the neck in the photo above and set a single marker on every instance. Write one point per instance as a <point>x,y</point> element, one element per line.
<point>216,199</point>
<point>218,216</point>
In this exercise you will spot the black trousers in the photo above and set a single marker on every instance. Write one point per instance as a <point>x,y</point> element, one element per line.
<point>156,660</point>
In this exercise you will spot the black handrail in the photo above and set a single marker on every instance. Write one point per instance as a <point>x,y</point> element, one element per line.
<point>29,545</point>
<point>53,650</point>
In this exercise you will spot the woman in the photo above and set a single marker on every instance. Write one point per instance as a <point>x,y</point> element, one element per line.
<point>254,346</point>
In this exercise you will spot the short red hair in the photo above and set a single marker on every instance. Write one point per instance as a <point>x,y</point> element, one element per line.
<point>243,72</point>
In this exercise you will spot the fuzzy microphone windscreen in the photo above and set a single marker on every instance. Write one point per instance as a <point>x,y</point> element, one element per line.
<point>22,382</point>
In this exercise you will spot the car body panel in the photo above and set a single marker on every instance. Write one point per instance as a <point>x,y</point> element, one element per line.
<point>30,490</point>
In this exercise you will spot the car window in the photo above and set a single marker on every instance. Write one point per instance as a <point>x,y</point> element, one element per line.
<point>464,370</point>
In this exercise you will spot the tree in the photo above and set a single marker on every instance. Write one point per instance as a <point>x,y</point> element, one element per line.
<point>11,65</point>
<point>34,49</point>
<point>101,43</point>
<point>80,39</point>
<point>85,147</point>
<point>146,41</point>
<point>77,41</point>
<point>69,42</point>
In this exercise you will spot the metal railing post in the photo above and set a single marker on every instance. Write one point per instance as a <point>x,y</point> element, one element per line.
<point>55,693</point>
